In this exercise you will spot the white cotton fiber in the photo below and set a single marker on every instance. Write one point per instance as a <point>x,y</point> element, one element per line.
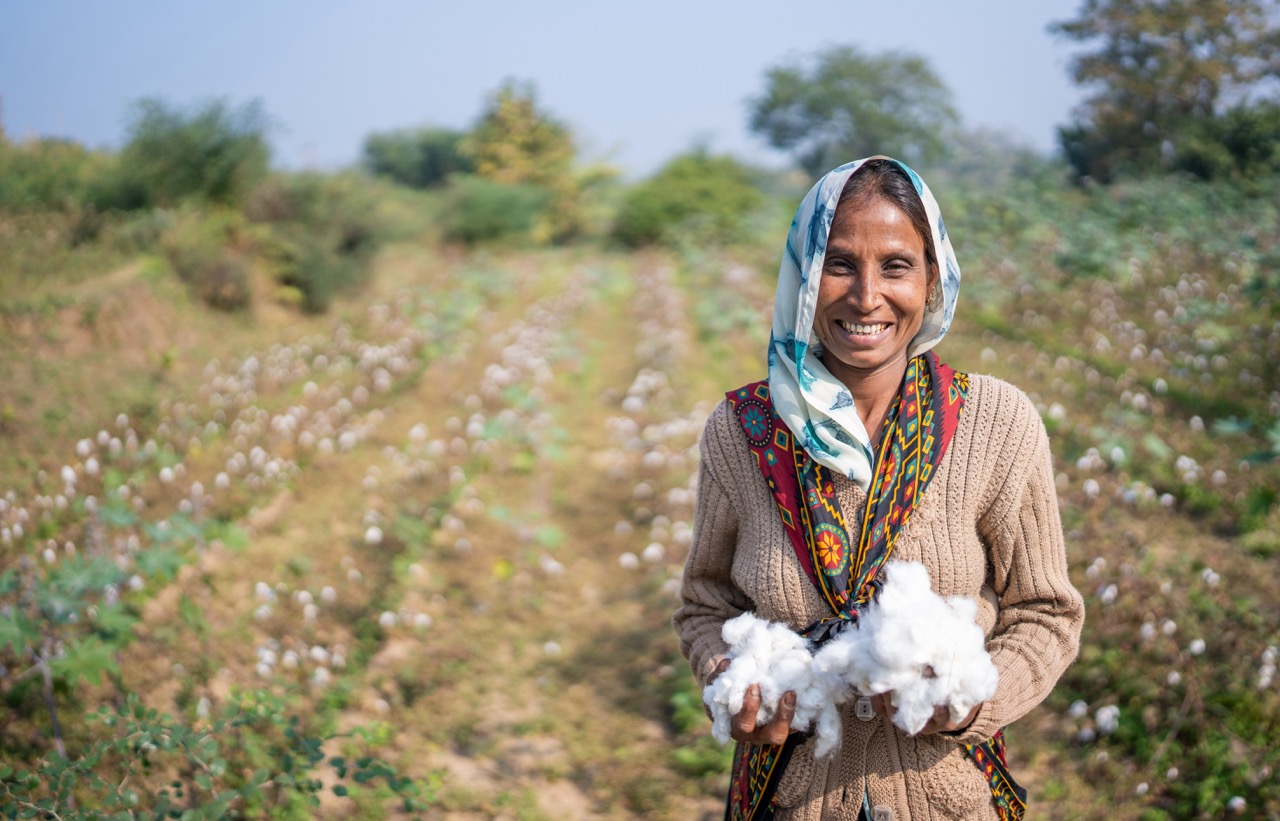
<point>777,659</point>
<point>922,648</point>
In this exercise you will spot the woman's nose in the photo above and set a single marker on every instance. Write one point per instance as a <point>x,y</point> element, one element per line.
<point>864,292</point>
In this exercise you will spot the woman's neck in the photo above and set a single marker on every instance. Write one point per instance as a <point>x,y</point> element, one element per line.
<point>873,393</point>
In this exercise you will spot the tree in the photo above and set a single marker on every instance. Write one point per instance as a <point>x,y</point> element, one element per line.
<point>213,152</point>
<point>515,142</point>
<point>845,104</point>
<point>1161,71</point>
<point>418,158</point>
<point>698,194</point>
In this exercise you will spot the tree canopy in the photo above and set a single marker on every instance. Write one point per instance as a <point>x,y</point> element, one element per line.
<point>696,194</point>
<point>1173,82</point>
<point>516,142</point>
<point>213,151</point>
<point>845,104</point>
<point>418,157</point>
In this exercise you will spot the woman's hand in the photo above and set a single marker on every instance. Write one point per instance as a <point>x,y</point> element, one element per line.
<point>744,727</point>
<point>940,722</point>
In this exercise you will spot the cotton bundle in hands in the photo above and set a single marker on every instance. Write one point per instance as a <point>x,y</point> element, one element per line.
<point>925,650</point>
<point>777,659</point>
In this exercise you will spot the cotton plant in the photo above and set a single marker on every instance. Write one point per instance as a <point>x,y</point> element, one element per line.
<point>921,649</point>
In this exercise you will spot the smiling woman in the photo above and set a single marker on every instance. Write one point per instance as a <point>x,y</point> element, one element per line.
<point>812,479</point>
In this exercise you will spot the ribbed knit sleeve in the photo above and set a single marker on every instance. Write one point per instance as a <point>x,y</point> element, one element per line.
<point>1040,616</point>
<point>710,597</point>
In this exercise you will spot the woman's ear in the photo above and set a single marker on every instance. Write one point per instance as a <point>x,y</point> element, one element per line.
<point>933,291</point>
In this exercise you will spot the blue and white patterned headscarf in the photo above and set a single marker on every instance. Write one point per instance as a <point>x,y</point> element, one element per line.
<point>815,405</point>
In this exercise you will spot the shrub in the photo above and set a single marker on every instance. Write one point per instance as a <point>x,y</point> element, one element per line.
<point>1239,144</point>
<point>417,158</point>
<point>481,210</point>
<point>213,153</point>
<point>200,249</point>
<point>708,196</point>
<point>49,174</point>
<point>320,234</point>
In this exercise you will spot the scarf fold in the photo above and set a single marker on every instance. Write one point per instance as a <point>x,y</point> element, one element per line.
<point>917,431</point>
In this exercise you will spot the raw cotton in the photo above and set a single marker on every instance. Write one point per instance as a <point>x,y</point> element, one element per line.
<point>777,659</point>
<point>924,650</point>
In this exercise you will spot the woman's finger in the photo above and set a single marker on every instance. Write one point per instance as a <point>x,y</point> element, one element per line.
<point>744,723</point>
<point>776,731</point>
<point>720,668</point>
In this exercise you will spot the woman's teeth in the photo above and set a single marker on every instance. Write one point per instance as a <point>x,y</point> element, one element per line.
<point>855,328</point>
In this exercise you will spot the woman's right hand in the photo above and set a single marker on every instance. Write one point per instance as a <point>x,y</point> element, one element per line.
<point>744,726</point>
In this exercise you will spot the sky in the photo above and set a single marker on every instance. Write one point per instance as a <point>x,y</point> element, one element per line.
<point>637,82</point>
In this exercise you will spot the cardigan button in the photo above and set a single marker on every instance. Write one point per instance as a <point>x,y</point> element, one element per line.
<point>882,813</point>
<point>863,709</point>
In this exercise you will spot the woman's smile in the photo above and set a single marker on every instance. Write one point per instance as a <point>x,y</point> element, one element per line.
<point>861,333</point>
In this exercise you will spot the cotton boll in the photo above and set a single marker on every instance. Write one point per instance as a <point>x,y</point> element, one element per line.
<point>912,643</point>
<point>778,660</point>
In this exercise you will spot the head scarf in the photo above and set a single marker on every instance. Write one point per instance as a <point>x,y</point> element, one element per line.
<point>808,398</point>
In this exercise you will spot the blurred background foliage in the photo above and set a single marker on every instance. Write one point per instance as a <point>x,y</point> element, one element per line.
<point>1129,284</point>
<point>1179,85</point>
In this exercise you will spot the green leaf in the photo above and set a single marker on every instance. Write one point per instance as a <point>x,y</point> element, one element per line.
<point>115,620</point>
<point>340,790</point>
<point>192,615</point>
<point>204,782</point>
<point>1156,446</point>
<point>232,536</point>
<point>549,536</point>
<point>88,658</point>
<point>8,582</point>
<point>75,575</point>
<point>17,631</point>
<point>159,563</point>
<point>177,529</point>
<point>115,513</point>
<point>57,606</point>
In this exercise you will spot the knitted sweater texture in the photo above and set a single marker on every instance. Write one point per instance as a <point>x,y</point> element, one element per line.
<point>987,528</point>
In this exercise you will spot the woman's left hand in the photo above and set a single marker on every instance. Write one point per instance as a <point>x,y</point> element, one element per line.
<point>940,722</point>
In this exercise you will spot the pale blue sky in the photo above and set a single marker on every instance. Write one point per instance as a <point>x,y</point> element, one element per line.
<point>638,82</point>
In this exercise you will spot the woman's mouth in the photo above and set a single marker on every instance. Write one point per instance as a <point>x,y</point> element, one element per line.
<point>863,329</point>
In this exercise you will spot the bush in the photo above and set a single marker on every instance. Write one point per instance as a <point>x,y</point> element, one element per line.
<point>50,174</point>
<point>417,158</point>
<point>214,153</point>
<point>319,236</point>
<point>707,195</point>
<point>1237,145</point>
<point>201,251</point>
<point>480,210</point>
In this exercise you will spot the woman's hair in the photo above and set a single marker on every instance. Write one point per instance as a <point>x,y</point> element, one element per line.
<point>885,178</point>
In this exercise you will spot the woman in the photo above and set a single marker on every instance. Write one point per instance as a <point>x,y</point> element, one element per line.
<point>862,445</point>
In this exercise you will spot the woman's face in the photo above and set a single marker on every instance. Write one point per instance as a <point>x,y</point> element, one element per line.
<point>871,298</point>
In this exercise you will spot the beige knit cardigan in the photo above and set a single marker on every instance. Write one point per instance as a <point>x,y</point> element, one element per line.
<point>987,527</point>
